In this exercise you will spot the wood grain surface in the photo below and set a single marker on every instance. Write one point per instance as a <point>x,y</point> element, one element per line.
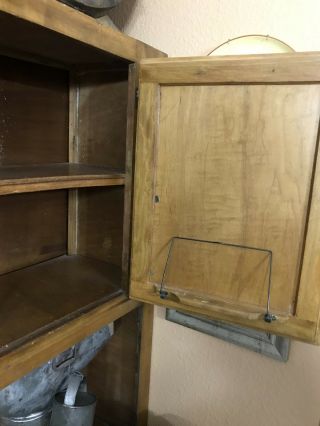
<point>41,296</point>
<point>33,228</point>
<point>112,375</point>
<point>234,161</point>
<point>34,113</point>
<point>234,164</point>
<point>19,179</point>
<point>273,68</point>
<point>39,350</point>
<point>50,29</point>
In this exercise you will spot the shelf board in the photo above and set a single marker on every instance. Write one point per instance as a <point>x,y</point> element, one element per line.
<point>46,177</point>
<point>20,361</point>
<point>44,296</point>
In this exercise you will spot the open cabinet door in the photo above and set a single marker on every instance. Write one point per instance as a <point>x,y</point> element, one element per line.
<point>225,169</point>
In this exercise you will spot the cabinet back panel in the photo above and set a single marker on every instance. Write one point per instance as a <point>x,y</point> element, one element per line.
<point>101,132</point>
<point>234,164</point>
<point>34,113</point>
<point>100,223</point>
<point>33,228</point>
<point>103,99</point>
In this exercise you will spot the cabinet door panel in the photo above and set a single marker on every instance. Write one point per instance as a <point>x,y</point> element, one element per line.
<point>229,168</point>
<point>234,164</point>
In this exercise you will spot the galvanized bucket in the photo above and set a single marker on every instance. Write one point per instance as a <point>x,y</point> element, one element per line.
<point>35,419</point>
<point>95,8</point>
<point>34,393</point>
<point>74,407</point>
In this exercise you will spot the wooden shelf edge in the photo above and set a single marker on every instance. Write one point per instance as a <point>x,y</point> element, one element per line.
<point>145,364</point>
<point>21,361</point>
<point>46,177</point>
<point>20,188</point>
<point>71,23</point>
<point>290,326</point>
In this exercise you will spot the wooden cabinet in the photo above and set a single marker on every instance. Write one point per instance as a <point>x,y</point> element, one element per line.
<point>225,215</point>
<point>67,128</point>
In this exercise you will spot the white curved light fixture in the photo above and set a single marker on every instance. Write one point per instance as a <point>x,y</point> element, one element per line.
<point>251,44</point>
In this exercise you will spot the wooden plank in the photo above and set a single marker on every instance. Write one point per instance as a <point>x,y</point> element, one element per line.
<point>112,375</point>
<point>68,23</point>
<point>73,158</point>
<point>39,297</point>
<point>128,194</point>
<point>73,222</point>
<point>33,228</point>
<point>29,356</point>
<point>19,179</point>
<point>308,297</point>
<point>286,325</point>
<point>271,68</point>
<point>143,192</point>
<point>145,364</point>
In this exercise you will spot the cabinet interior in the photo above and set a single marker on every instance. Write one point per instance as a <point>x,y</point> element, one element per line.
<point>62,213</point>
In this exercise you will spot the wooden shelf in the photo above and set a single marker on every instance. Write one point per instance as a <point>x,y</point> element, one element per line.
<point>46,177</point>
<point>45,295</point>
<point>21,360</point>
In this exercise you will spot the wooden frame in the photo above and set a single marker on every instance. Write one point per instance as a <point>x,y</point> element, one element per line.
<point>269,68</point>
<point>31,355</point>
<point>49,33</point>
<point>300,68</point>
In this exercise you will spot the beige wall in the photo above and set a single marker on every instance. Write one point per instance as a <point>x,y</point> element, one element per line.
<point>198,380</point>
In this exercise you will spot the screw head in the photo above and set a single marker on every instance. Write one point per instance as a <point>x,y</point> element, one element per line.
<point>269,317</point>
<point>163,294</point>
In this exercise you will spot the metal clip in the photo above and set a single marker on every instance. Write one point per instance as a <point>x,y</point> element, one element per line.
<point>163,294</point>
<point>268,317</point>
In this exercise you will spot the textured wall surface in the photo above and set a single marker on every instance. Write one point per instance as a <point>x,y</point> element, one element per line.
<point>194,27</point>
<point>198,380</point>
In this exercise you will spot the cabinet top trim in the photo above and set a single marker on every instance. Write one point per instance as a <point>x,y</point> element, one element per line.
<point>62,19</point>
<point>272,68</point>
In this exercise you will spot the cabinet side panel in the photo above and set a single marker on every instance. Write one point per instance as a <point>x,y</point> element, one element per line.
<point>112,375</point>
<point>308,302</point>
<point>145,364</point>
<point>130,155</point>
<point>143,183</point>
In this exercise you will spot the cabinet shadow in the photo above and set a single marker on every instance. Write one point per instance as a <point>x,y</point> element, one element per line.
<point>167,420</point>
<point>121,14</point>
